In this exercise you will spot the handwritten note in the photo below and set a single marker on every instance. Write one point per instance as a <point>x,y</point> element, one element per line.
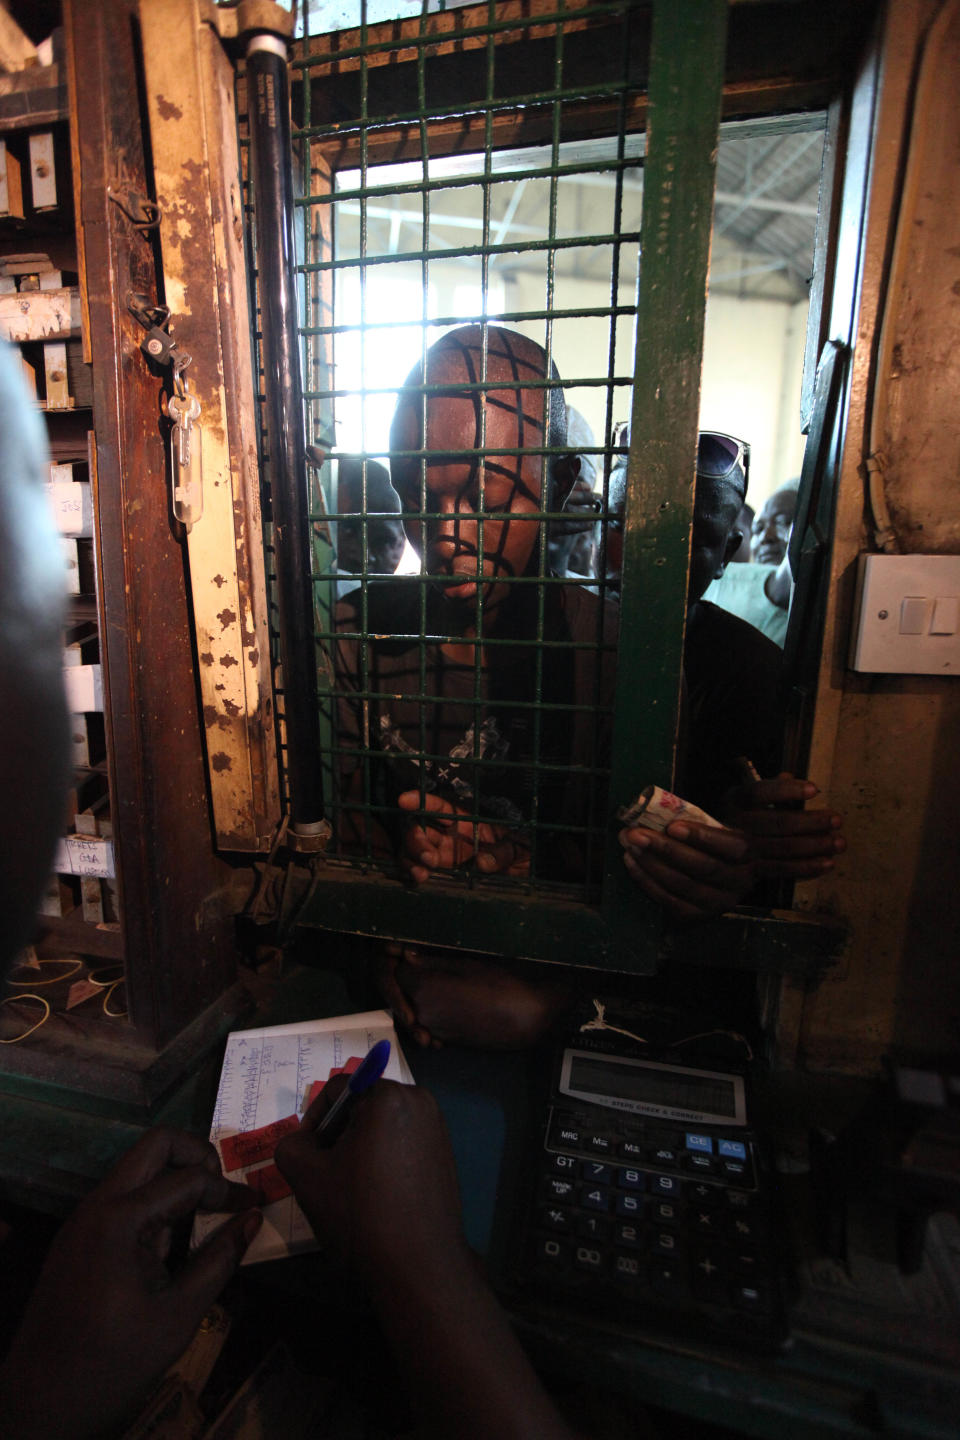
<point>266,1077</point>
<point>72,505</point>
<point>237,1151</point>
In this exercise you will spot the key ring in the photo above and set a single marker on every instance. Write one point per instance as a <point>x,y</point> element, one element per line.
<point>183,408</point>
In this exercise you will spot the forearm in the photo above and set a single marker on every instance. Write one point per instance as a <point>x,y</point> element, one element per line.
<point>465,1371</point>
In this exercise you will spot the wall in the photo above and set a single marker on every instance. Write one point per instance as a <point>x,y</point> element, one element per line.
<point>885,748</point>
<point>752,369</point>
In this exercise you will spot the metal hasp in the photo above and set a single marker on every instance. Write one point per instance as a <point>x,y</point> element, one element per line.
<point>285,463</point>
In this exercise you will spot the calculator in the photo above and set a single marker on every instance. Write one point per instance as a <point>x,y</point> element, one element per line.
<point>649,1199</point>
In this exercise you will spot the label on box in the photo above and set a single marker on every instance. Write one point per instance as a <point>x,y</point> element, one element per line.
<point>85,855</point>
<point>72,505</point>
<point>91,856</point>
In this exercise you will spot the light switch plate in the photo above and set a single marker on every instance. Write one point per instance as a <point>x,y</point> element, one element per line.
<point>903,601</point>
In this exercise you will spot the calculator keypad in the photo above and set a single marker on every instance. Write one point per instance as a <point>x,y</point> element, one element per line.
<point>634,1211</point>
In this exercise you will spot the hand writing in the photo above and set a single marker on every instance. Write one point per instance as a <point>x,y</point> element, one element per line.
<point>384,1197</point>
<point>109,1314</point>
<point>450,838</point>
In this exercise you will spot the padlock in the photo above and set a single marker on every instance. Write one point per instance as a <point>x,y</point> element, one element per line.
<point>158,346</point>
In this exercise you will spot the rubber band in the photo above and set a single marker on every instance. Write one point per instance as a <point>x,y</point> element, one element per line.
<point>15,1000</point>
<point>114,1014</point>
<point>39,984</point>
<point>115,970</point>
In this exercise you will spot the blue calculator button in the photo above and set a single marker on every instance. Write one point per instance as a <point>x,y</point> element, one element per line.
<point>700,1142</point>
<point>732,1149</point>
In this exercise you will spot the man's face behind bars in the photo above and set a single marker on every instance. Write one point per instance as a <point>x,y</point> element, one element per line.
<point>484,526</point>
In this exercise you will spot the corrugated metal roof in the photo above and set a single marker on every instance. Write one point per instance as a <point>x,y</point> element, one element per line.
<point>766,214</point>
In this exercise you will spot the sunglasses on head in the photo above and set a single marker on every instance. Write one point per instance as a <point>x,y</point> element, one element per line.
<point>719,455</point>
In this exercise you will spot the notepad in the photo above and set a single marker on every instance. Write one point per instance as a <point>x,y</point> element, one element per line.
<point>267,1080</point>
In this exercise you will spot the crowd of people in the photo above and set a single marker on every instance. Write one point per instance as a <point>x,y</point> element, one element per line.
<point>444,763</point>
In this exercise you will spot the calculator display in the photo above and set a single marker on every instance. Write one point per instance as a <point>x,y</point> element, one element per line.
<point>650,1089</point>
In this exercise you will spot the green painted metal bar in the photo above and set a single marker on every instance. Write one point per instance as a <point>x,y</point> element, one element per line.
<point>475,252</point>
<point>683,119</point>
<point>550,926</point>
<point>539,921</point>
<point>319,409</point>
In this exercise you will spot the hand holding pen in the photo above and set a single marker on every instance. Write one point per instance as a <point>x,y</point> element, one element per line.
<point>367,1073</point>
<point>376,1195</point>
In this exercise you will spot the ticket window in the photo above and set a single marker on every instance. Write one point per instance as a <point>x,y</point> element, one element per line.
<point>459,170</point>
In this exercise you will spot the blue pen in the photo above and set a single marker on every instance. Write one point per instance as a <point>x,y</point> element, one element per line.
<point>367,1073</point>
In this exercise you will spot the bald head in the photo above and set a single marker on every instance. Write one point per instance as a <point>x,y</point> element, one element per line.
<point>504,402</point>
<point>490,397</point>
<point>771,527</point>
<point>377,545</point>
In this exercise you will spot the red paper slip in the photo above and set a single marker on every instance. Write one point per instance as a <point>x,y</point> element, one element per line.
<point>255,1145</point>
<point>269,1182</point>
<point>352,1064</point>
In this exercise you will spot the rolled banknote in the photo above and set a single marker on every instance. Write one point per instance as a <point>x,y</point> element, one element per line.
<point>656,809</point>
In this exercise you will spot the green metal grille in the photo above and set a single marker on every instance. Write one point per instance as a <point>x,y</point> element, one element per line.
<point>420,146</point>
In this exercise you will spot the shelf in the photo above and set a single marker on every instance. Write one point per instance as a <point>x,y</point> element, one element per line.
<point>59,934</point>
<point>33,98</point>
<point>175,936</point>
<point>81,607</point>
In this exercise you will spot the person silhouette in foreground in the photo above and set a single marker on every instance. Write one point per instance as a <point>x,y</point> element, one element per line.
<point>114,1306</point>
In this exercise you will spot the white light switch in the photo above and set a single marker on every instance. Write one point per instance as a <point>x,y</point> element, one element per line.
<point>908,615</point>
<point>913,615</point>
<point>946,609</point>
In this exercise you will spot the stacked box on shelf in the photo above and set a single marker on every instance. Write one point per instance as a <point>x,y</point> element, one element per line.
<point>71,499</point>
<point>81,668</point>
<point>43,170</point>
<point>60,896</point>
<point>38,311</point>
<point>87,740</point>
<point>98,893</point>
<point>11,184</point>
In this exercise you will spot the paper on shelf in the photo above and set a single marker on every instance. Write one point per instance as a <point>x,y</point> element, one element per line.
<point>265,1078</point>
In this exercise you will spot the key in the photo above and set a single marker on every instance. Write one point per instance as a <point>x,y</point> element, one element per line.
<point>183,413</point>
<point>185,458</point>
